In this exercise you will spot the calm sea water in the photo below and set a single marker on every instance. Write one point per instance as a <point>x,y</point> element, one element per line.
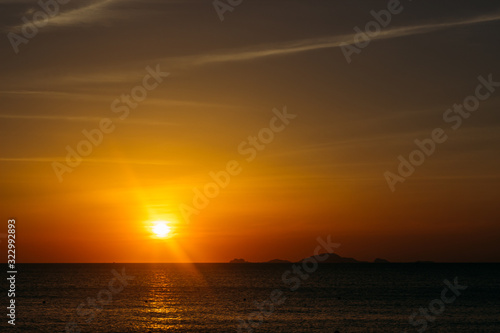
<point>212,297</point>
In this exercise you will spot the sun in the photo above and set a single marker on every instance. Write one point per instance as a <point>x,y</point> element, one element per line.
<point>161,229</point>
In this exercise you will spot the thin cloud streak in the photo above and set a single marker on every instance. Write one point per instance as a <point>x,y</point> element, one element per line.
<point>85,119</point>
<point>63,118</point>
<point>332,41</point>
<point>108,97</point>
<point>83,15</point>
<point>248,54</point>
<point>62,159</point>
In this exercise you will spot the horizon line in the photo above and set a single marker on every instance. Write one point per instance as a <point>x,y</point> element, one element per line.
<point>268,263</point>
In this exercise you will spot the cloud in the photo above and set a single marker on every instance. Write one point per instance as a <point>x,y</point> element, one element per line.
<point>45,93</point>
<point>65,118</point>
<point>86,119</point>
<point>103,161</point>
<point>99,10</point>
<point>106,97</point>
<point>95,11</point>
<point>280,49</point>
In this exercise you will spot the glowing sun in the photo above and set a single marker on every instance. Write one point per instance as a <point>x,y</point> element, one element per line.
<point>161,229</point>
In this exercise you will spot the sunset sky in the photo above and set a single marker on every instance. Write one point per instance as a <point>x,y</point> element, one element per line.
<point>323,174</point>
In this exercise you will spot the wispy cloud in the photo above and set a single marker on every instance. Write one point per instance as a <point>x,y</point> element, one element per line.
<point>99,10</point>
<point>85,119</point>
<point>36,117</point>
<point>91,12</point>
<point>90,160</point>
<point>105,97</point>
<point>280,49</point>
<point>51,94</point>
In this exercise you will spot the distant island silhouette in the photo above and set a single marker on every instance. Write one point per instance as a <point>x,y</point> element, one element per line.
<point>274,261</point>
<point>332,258</point>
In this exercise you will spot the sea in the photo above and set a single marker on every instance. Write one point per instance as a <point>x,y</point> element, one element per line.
<point>419,297</point>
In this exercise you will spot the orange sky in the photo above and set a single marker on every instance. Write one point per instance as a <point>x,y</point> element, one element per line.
<point>322,174</point>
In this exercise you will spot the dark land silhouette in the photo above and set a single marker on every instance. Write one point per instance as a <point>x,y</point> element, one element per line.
<point>332,258</point>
